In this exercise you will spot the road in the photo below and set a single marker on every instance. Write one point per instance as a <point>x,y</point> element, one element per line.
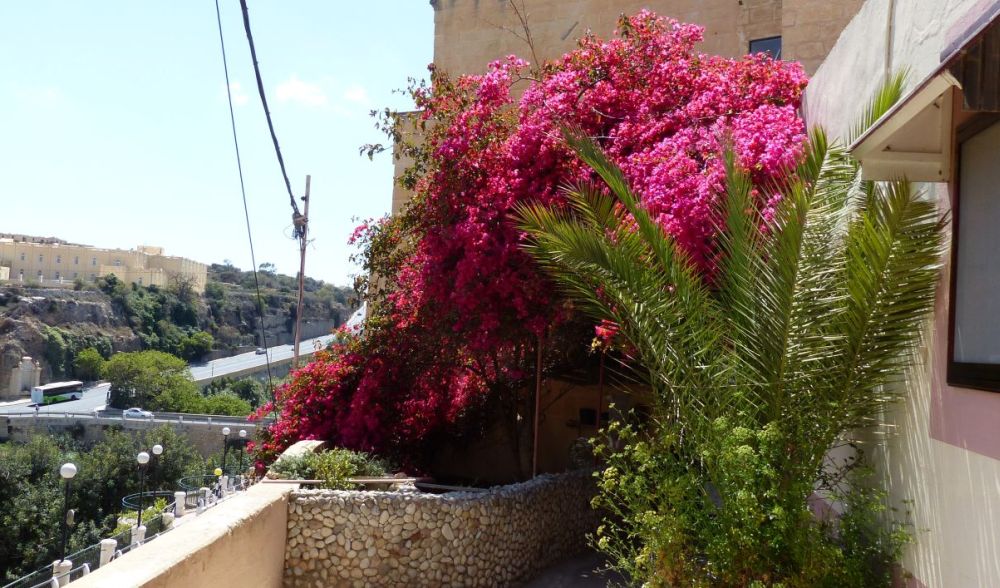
<point>93,397</point>
<point>244,361</point>
<point>96,396</point>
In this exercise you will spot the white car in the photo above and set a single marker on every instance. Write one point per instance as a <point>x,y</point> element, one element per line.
<point>137,413</point>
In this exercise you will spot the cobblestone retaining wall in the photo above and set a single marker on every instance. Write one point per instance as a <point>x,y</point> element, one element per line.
<point>495,538</point>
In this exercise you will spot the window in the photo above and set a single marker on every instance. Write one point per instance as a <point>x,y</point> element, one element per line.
<point>76,260</point>
<point>40,258</point>
<point>39,275</point>
<point>140,281</point>
<point>59,259</point>
<point>93,261</point>
<point>57,276</point>
<point>74,275</point>
<point>22,257</point>
<point>974,352</point>
<point>769,45</point>
<point>118,262</point>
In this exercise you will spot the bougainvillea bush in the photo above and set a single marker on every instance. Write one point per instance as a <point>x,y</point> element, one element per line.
<point>456,306</point>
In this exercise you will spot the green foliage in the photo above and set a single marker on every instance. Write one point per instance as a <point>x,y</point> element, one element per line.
<point>63,345</point>
<point>226,403</point>
<point>32,493</point>
<point>152,380</point>
<point>196,345</point>
<point>334,466</point>
<point>89,364</point>
<point>164,318</point>
<point>57,351</point>
<point>248,389</point>
<point>806,326</point>
<point>128,518</point>
<point>215,291</point>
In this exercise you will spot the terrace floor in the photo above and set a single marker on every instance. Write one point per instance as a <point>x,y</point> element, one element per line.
<point>577,572</point>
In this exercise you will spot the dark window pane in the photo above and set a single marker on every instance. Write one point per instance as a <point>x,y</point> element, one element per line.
<point>770,45</point>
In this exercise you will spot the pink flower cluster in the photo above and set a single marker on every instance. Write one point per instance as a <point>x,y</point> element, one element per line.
<point>466,290</point>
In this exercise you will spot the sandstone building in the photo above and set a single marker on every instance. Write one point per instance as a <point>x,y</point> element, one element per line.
<point>50,262</point>
<point>468,34</point>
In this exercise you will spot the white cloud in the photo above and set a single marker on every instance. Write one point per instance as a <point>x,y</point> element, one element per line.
<point>356,93</point>
<point>239,96</point>
<point>295,90</point>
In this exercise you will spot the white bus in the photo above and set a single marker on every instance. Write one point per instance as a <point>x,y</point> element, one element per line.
<point>57,392</point>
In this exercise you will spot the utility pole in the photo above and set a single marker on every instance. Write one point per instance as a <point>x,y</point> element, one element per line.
<point>302,227</point>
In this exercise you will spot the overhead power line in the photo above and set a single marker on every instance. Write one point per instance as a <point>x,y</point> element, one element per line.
<point>243,191</point>
<point>296,216</point>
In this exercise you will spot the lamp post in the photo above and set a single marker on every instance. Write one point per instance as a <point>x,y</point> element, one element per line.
<point>243,443</point>
<point>143,459</point>
<point>225,446</point>
<point>67,471</point>
<point>157,452</point>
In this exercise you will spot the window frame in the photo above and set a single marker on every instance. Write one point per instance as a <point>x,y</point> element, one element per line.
<point>977,376</point>
<point>781,46</point>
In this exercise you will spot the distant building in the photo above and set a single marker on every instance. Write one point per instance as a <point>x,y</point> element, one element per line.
<point>469,34</point>
<point>51,262</point>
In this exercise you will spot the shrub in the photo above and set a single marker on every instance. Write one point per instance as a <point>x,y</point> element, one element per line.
<point>800,337</point>
<point>333,466</point>
<point>458,307</point>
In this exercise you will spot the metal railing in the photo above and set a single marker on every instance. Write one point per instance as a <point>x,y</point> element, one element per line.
<point>179,417</point>
<point>37,578</point>
<point>201,492</point>
<point>132,501</point>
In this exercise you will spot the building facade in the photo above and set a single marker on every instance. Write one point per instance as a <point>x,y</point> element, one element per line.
<point>940,452</point>
<point>53,263</point>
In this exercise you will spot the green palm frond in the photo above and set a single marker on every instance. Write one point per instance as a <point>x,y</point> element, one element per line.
<point>812,310</point>
<point>835,283</point>
<point>886,96</point>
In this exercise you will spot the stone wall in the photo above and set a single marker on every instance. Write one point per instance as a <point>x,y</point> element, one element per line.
<point>499,537</point>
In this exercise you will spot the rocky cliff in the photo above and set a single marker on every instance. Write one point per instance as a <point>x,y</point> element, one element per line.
<point>29,316</point>
<point>52,325</point>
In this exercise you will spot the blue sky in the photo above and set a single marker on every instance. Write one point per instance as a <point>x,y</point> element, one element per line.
<point>115,130</point>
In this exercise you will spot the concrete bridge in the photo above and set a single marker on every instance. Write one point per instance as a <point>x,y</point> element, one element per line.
<point>255,363</point>
<point>202,430</point>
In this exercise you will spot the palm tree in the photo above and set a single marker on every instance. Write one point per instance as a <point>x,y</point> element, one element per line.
<point>755,372</point>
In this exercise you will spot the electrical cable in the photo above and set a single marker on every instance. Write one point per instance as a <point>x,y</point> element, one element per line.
<point>246,210</point>
<point>267,114</point>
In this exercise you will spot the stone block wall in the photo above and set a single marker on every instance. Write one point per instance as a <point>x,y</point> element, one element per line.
<point>499,537</point>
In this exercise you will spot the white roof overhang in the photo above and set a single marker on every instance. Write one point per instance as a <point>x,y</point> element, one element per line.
<point>913,139</point>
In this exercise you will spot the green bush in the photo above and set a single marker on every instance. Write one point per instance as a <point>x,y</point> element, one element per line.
<point>799,338</point>
<point>333,466</point>
<point>226,403</point>
<point>88,364</point>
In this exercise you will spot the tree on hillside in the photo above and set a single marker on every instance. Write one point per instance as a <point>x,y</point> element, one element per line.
<point>89,364</point>
<point>195,346</point>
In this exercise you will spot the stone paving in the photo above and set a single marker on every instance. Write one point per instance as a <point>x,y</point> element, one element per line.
<point>577,572</point>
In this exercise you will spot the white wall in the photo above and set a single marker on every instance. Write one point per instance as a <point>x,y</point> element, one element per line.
<point>937,458</point>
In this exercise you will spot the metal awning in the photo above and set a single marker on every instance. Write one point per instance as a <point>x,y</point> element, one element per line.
<point>914,139</point>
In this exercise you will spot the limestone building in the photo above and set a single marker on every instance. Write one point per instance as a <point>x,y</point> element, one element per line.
<point>469,34</point>
<point>50,262</point>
